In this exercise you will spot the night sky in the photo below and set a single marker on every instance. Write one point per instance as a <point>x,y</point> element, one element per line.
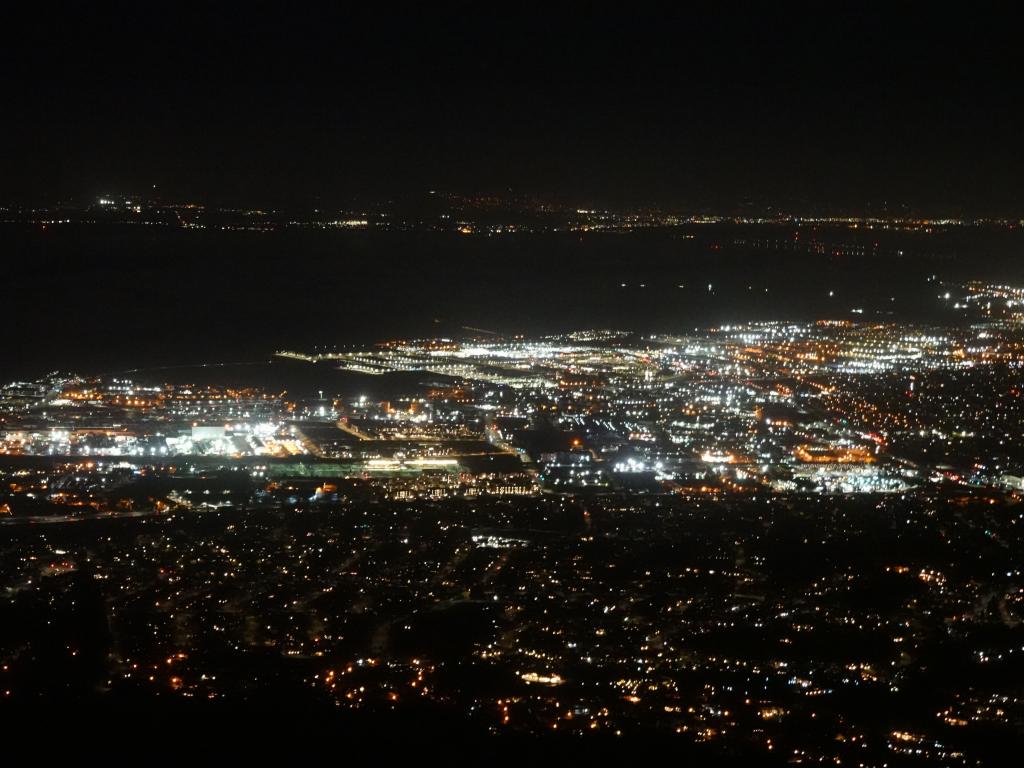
<point>621,104</point>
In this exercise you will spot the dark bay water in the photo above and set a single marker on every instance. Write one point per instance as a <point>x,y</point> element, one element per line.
<point>103,298</point>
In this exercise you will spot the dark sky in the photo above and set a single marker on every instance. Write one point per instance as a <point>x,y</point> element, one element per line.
<point>678,104</point>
